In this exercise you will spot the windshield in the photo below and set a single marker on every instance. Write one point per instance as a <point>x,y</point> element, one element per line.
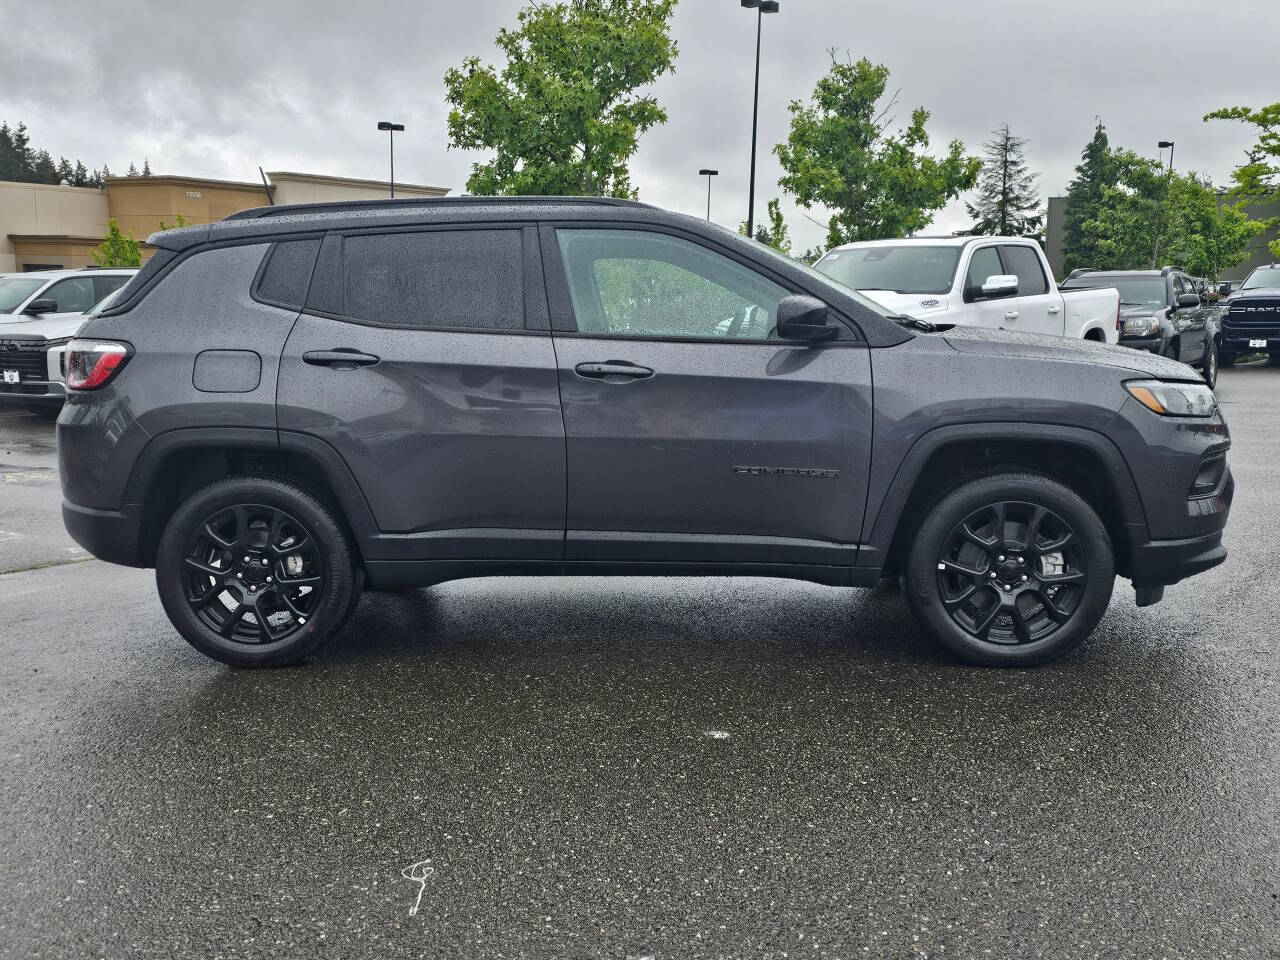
<point>769,253</point>
<point>13,290</point>
<point>910,269</point>
<point>1134,291</point>
<point>1262,278</point>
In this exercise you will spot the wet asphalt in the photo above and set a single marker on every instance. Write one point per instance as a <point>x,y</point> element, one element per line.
<point>630,768</point>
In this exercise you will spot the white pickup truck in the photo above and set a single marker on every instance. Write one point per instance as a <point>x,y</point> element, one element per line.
<point>1002,282</point>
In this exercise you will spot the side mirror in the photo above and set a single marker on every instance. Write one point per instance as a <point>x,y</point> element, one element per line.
<point>1224,288</point>
<point>1000,285</point>
<point>804,318</point>
<point>1187,301</point>
<point>43,305</point>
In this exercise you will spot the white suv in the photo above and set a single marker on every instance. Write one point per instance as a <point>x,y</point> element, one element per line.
<point>39,314</point>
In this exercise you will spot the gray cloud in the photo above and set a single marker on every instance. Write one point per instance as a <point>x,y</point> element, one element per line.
<point>217,89</point>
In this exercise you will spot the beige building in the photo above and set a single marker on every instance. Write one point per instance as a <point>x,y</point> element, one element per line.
<point>45,227</point>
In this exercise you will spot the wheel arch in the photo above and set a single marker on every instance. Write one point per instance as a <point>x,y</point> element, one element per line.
<point>943,459</point>
<point>177,463</point>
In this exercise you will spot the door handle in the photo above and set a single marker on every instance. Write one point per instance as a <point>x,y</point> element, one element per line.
<point>1011,315</point>
<point>340,358</point>
<point>1054,309</point>
<point>615,371</point>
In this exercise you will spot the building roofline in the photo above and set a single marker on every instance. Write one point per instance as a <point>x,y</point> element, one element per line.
<point>47,186</point>
<point>53,238</point>
<point>326,179</point>
<point>176,181</point>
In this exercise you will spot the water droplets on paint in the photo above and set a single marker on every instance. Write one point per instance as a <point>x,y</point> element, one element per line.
<point>716,734</point>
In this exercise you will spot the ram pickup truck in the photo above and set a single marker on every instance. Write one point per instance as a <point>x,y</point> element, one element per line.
<point>1250,317</point>
<point>999,282</point>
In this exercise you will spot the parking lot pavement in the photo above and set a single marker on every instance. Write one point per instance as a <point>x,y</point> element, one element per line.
<point>633,768</point>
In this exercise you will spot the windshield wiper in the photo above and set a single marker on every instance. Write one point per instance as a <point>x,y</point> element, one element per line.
<point>914,323</point>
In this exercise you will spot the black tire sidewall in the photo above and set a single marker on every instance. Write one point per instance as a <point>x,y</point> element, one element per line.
<point>335,557</point>
<point>921,580</point>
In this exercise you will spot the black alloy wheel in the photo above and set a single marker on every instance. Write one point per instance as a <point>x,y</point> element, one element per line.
<point>1010,570</point>
<point>253,574</point>
<point>257,571</point>
<point>1011,573</point>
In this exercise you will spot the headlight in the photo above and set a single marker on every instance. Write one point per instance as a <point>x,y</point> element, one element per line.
<point>1173,399</point>
<point>1141,326</point>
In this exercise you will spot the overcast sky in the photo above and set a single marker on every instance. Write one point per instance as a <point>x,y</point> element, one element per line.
<point>214,90</point>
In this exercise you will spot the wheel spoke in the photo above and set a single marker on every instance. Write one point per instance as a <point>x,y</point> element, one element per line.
<point>1051,609</point>
<point>212,534</point>
<point>952,602</point>
<point>1033,530</point>
<point>303,542</point>
<point>204,599</point>
<point>1020,628</point>
<point>205,568</point>
<point>288,602</point>
<point>229,625</point>
<point>1000,512</point>
<point>1055,545</point>
<point>983,627</point>
<point>960,568</point>
<point>972,535</point>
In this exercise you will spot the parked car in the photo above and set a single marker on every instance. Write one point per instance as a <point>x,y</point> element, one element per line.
<point>999,282</point>
<point>297,399</point>
<point>1250,315</point>
<point>1161,311</point>
<point>39,314</point>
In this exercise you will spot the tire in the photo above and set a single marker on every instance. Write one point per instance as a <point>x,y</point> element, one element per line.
<point>256,572</point>
<point>1058,590</point>
<point>1209,365</point>
<point>1226,360</point>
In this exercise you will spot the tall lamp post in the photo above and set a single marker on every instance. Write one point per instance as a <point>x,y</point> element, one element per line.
<point>761,7</point>
<point>391,129</point>
<point>708,173</point>
<point>1155,252</point>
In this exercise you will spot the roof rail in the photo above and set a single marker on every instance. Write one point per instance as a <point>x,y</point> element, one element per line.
<point>257,213</point>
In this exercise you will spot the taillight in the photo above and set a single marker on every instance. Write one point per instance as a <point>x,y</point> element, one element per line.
<point>93,363</point>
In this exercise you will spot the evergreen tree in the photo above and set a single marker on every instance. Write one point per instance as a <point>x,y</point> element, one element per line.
<point>106,172</point>
<point>146,167</point>
<point>80,176</point>
<point>1095,175</point>
<point>132,171</point>
<point>43,169</point>
<point>65,172</point>
<point>1007,203</point>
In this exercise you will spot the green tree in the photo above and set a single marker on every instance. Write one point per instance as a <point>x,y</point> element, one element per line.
<point>775,234</point>
<point>1007,203</point>
<point>1150,209</point>
<point>1257,180</point>
<point>117,250</point>
<point>563,115</point>
<point>840,154</point>
<point>1094,176</point>
<point>181,222</point>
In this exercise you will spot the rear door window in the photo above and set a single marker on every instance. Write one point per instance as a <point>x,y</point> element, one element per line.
<point>287,272</point>
<point>438,279</point>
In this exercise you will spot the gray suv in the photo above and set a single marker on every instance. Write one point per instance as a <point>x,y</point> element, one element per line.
<point>296,401</point>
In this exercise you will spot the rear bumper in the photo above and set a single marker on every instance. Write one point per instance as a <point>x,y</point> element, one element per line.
<point>111,535</point>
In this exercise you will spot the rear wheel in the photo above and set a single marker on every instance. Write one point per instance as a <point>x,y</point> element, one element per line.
<point>1010,570</point>
<point>256,572</point>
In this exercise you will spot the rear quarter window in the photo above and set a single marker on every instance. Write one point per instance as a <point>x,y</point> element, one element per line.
<point>286,273</point>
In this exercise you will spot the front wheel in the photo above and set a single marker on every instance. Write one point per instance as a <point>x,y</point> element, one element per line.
<point>1209,366</point>
<point>1010,570</point>
<point>255,572</point>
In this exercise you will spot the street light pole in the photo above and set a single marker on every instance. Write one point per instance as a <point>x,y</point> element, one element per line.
<point>391,129</point>
<point>1155,251</point>
<point>761,7</point>
<point>705,172</point>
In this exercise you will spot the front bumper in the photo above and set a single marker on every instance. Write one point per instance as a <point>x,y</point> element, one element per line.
<point>111,535</point>
<point>1246,341</point>
<point>1149,344</point>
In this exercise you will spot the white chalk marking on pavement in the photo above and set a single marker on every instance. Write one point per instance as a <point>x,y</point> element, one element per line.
<point>419,873</point>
